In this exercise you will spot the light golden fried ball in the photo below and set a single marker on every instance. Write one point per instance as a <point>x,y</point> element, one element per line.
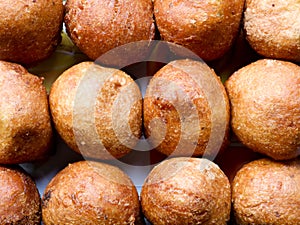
<point>273,28</point>
<point>265,107</point>
<point>97,110</point>
<point>25,126</point>
<point>20,202</point>
<point>267,192</point>
<point>97,26</point>
<point>186,110</point>
<point>30,30</point>
<point>186,191</point>
<point>89,192</point>
<point>208,28</point>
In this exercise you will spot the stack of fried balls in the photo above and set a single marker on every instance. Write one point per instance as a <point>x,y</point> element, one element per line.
<point>210,90</point>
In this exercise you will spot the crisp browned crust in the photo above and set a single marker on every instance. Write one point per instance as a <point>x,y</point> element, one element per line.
<point>206,27</point>
<point>186,191</point>
<point>177,99</point>
<point>25,128</point>
<point>265,107</point>
<point>113,111</point>
<point>267,192</point>
<point>20,202</point>
<point>29,30</point>
<point>90,193</point>
<point>273,28</point>
<point>98,26</point>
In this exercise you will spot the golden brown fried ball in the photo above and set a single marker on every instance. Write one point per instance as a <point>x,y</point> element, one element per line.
<point>20,202</point>
<point>265,107</point>
<point>97,110</point>
<point>273,28</point>
<point>89,192</point>
<point>186,110</point>
<point>25,127</point>
<point>30,29</point>
<point>208,28</point>
<point>267,192</point>
<point>186,191</point>
<point>97,26</point>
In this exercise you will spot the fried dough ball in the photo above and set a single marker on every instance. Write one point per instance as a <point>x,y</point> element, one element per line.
<point>97,26</point>
<point>89,192</point>
<point>267,192</point>
<point>265,107</point>
<point>30,29</point>
<point>273,28</point>
<point>25,127</point>
<point>20,202</point>
<point>208,27</point>
<point>186,191</point>
<point>186,110</point>
<point>97,110</point>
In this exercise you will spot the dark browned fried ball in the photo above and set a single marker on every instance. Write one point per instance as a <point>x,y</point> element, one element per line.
<point>186,110</point>
<point>97,26</point>
<point>89,192</point>
<point>267,192</point>
<point>273,28</point>
<point>265,107</point>
<point>29,30</point>
<point>208,28</point>
<point>97,110</point>
<point>20,202</point>
<point>25,127</point>
<point>186,191</point>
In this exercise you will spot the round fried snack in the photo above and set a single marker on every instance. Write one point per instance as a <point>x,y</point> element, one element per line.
<point>267,192</point>
<point>97,110</point>
<point>265,107</point>
<point>89,192</point>
<point>273,28</point>
<point>97,26</point>
<point>208,27</point>
<point>186,191</point>
<point>25,127</point>
<point>29,30</point>
<point>20,202</point>
<point>186,110</point>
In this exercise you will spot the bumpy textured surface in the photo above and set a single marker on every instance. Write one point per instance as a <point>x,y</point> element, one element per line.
<point>273,28</point>
<point>267,192</point>
<point>178,110</point>
<point>98,26</point>
<point>265,107</point>
<point>206,27</point>
<point>29,29</point>
<point>25,128</point>
<point>102,126</point>
<point>186,191</point>
<point>20,202</point>
<point>91,193</point>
